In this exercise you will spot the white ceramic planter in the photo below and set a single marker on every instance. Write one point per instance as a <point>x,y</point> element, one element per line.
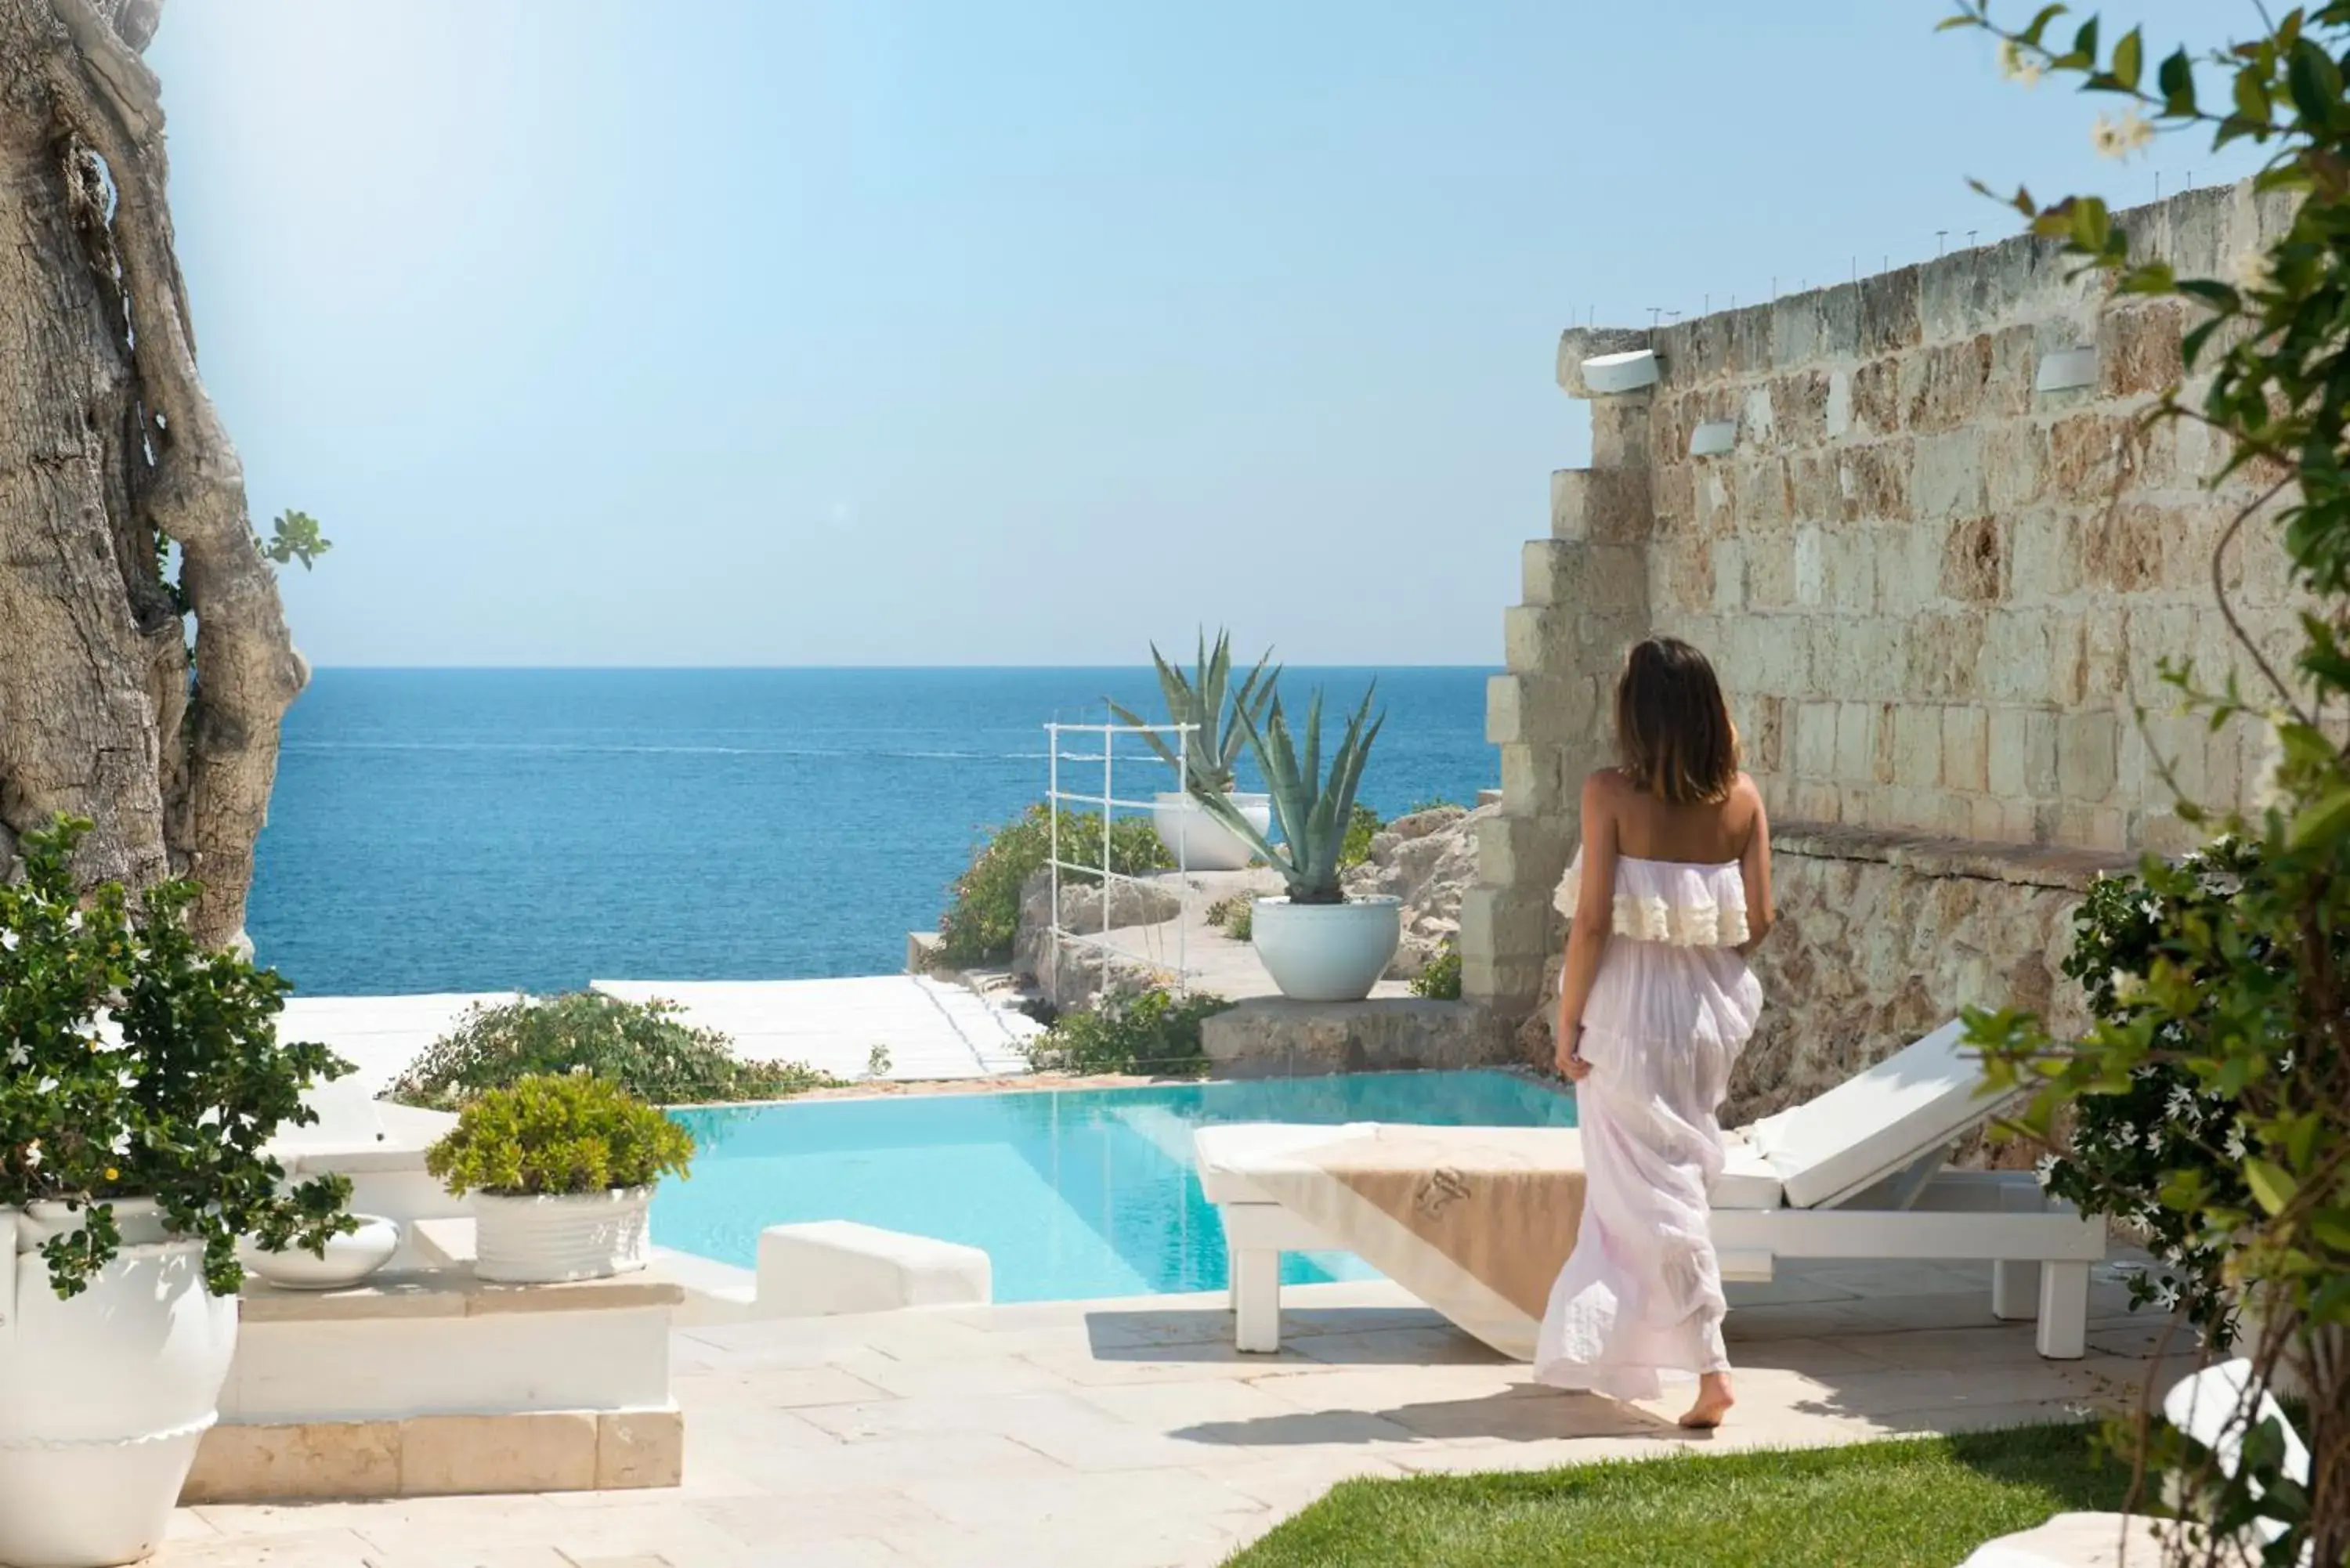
<point>1198,841</point>
<point>542,1240</point>
<point>1326,952</point>
<point>104,1396</point>
<point>347,1260</point>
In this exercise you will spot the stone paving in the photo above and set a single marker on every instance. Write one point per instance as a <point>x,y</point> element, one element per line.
<point>1130,1435</point>
<point>932,1030</point>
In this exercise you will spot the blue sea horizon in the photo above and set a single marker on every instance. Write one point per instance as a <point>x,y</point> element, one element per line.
<point>439,828</point>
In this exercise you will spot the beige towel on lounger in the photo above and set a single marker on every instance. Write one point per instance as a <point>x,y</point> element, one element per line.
<point>1475,1221</point>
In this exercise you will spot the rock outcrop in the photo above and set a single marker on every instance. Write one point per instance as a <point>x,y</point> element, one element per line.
<point>1427,859</point>
<point>1084,972</point>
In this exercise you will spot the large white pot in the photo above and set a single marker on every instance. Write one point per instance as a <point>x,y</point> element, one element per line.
<point>104,1396</point>
<point>546,1240</point>
<point>1198,841</point>
<point>1326,952</point>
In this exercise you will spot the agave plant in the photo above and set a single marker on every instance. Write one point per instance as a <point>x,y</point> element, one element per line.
<point>1197,700</point>
<point>1313,810</point>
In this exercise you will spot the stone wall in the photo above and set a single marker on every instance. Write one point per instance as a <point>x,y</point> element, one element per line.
<point>1937,580</point>
<point>1885,936</point>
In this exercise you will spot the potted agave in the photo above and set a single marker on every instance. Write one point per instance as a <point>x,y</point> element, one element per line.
<point>1317,944</point>
<point>1196,837</point>
<point>562,1168</point>
<point>141,1079</point>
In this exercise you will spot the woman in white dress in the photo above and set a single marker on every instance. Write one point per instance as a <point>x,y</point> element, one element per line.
<point>1668,894</point>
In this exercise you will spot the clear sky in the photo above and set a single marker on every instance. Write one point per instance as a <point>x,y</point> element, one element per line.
<point>934,332</point>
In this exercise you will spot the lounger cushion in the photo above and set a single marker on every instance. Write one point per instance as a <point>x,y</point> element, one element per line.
<point>1225,1155</point>
<point>1747,1181</point>
<point>1910,1104</point>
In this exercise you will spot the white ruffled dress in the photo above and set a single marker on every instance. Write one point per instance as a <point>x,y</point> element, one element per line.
<point>1640,1297</point>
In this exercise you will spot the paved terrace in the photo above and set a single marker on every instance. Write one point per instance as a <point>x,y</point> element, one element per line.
<point>933,1029</point>
<point>1130,1435</point>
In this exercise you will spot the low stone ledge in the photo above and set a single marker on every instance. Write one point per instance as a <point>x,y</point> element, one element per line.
<point>435,1456</point>
<point>1270,1036</point>
<point>2024,865</point>
<point>448,1292</point>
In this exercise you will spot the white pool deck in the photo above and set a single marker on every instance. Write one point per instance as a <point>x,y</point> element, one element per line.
<point>933,1029</point>
<point>1130,1435</point>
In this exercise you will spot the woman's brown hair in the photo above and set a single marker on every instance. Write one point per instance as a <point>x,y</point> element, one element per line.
<point>1672,728</point>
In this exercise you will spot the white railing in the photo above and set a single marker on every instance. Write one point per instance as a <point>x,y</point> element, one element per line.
<point>1109,803</point>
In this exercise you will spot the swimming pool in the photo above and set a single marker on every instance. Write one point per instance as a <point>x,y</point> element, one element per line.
<point>1072,1193</point>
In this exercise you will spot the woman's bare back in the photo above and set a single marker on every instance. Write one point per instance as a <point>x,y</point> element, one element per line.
<point>1648,828</point>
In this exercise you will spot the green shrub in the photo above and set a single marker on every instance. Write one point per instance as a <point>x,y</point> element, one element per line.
<point>1234,915</point>
<point>571,1133</point>
<point>1440,981</point>
<point>979,923</point>
<point>1363,825</point>
<point>1153,1033</point>
<point>643,1048</point>
<point>2159,1125</point>
<point>177,1102</point>
<point>1433,802</point>
<point>2243,998</point>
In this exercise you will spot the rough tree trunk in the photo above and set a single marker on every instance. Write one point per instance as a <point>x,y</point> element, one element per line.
<point>108,450</point>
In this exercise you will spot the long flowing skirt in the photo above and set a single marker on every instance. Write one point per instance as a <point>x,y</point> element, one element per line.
<point>1640,1297</point>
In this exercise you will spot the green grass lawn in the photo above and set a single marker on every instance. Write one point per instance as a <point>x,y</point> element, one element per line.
<point>1927,1501</point>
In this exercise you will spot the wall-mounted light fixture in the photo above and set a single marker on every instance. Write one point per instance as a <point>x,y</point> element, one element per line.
<point>2065,369</point>
<point>1713,438</point>
<point>1626,372</point>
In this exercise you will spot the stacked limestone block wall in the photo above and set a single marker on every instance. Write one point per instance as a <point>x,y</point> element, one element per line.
<point>1937,580</point>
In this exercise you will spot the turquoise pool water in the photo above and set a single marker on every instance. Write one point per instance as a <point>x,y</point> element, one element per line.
<point>1073,1194</point>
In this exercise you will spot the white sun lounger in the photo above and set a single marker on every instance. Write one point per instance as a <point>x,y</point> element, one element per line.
<point>1858,1172</point>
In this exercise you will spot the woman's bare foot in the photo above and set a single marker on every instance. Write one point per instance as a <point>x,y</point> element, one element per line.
<point>1713,1402</point>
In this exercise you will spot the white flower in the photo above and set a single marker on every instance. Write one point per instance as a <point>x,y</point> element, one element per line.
<point>19,1054</point>
<point>2016,65</point>
<point>33,1155</point>
<point>2120,138</point>
<point>73,920</point>
<point>45,1087</point>
<point>2182,1107</point>
<point>2165,1295</point>
<point>2154,1141</point>
<point>2126,1133</point>
<point>2045,1171</point>
<point>2126,984</point>
<point>8,942</point>
<point>2285,1063</point>
<point>2235,1143</point>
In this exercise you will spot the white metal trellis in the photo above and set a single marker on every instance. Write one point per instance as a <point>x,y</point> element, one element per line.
<point>1109,804</point>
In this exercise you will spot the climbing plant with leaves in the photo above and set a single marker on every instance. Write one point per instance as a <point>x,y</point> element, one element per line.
<point>2246,997</point>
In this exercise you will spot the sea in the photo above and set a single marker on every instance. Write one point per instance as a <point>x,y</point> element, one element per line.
<point>459,830</point>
